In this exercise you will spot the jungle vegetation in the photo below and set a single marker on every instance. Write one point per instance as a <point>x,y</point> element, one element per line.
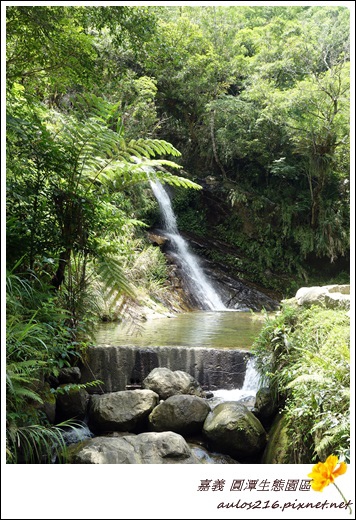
<point>251,103</point>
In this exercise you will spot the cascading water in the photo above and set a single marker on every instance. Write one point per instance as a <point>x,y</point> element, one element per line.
<point>77,434</point>
<point>251,384</point>
<point>252,379</point>
<point>203,291</point>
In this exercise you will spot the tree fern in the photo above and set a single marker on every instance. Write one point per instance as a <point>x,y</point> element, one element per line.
<point>113,278</point>
<point>335,439</point>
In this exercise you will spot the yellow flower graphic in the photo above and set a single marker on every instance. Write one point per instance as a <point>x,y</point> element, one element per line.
<point>324,473</point>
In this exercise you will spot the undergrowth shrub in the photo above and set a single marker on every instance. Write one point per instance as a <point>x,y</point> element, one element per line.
<point>304,356</point>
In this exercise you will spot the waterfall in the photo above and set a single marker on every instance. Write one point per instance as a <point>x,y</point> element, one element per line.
<point>76,434</point>
<point>252,379</point>
<point>203,291</point>
<point>247,393</point>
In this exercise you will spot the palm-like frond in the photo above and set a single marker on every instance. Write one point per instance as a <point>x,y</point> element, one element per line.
<point>99,154</point>
<point>113,278</point>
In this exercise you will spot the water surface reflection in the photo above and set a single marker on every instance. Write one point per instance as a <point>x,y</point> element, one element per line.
<point>209,329</point>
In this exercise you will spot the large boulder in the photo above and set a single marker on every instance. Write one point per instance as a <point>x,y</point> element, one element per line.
<point>265,405</point>
<point>145,448</point>
<point>233,429</point>
<point>328,296</point>
<point>166,383</point>
<point>184,414</point>
<point>121,411</point>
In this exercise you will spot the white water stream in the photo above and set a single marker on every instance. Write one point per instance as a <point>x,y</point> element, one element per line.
<point>202,290</point>
<point>193,273</point>
<point>252,383</point>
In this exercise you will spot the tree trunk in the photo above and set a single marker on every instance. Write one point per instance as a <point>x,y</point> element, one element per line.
<point>58,278</point>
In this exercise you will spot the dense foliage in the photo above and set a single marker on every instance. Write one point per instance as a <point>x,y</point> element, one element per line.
<point>99,99</point>
<point>304,356</point>
<point>71,178</point>
<point>257,100</point>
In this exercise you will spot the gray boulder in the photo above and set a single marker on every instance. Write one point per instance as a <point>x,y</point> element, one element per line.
<point>167,383</point>
<point>69,375</point>
<point>145,448</point>
<point>163,448</point>
<point>103,450</point>
<point>328,296</point>
<point>184,414</point>
<point>234,430</point>
<point>265,407</point>
<point>121,411</point>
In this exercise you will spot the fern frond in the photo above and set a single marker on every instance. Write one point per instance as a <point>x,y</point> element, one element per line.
<point>181,182</point>
<point>24,393</point>
<point>139,151</point>
<point>75,387</point>
<point>159,146</point>
<point>150,165</point>
<point>113,277</point>
<point>98,153</point>
<point>336,435</point>
<point>306,378</point>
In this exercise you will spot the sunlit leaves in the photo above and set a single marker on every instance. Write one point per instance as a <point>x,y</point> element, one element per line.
<point>313,375</point>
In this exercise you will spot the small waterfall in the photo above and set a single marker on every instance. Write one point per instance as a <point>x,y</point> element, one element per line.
<point>200,286</point>
<point>77,434</point>
<point>247,393</point>
<point>73,435</point>
<point>252,379</point>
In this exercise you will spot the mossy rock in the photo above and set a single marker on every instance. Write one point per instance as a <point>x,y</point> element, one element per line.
<point>233,430</point>
<point>277,450</point>
<point>73,449</point>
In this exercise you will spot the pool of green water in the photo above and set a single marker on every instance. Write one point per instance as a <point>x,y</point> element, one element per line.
<point>218,329</point>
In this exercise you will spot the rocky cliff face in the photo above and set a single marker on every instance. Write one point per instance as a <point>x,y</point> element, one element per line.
<point>235,293</point>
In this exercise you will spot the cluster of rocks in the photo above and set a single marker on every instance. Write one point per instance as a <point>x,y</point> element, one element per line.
<point>171,420</point>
